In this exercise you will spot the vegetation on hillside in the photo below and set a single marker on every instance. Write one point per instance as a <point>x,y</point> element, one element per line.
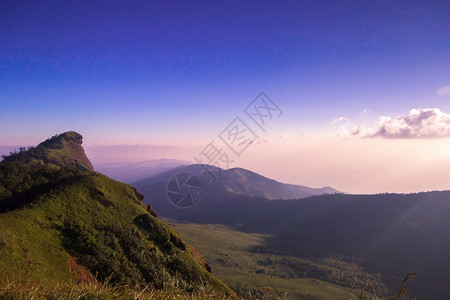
<point>172,291</point>
<point>61,150</point>
<point>231,255</point>
<point>389,234</point>
<point>69,232</point>
<point>63,224</point>
<point>33,170</point>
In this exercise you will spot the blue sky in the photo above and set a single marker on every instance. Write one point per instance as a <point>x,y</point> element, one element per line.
<point>177,72</point>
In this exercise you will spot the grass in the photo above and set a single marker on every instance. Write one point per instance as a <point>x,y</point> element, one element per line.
<point>19,291</point>
<point>62,150</point>
<point>69,233</point>
<point>63,226</point>
<point>87,227</point>
<point>229,252</point>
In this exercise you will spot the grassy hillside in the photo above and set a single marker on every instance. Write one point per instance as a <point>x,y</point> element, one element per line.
<point>62,150</point>
<point>75,227</point>
<point>231,256</point>
<point>31,170</point>
<point>89,228</point>
<point>16,291</point>
<point>387,234</point>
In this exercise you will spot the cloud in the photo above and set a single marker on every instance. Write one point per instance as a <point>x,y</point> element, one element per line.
<point>338,120</point>
<point>419,123</point>
<point>444,91</point>
<point>364,113</point>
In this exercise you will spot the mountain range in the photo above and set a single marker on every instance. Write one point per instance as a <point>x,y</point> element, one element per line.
<point>63,222</point>
<point>387,235</point>
<point>217,185</point>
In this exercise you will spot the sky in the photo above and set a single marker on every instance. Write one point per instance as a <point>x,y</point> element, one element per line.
<point>362,87</point>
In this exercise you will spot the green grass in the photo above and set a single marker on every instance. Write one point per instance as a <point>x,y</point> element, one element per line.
<point>20,291</point>
<point>99,224</point>
<point>229,253</point>
<point>64,225</point>
<point>62,150</point>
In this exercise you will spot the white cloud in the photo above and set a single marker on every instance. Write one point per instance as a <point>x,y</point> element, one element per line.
<point>419,123</point>
<point>444,91</point>
<point>338,120</point>
<point>364,113</point>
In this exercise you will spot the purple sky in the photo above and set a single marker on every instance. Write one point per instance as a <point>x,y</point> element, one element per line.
<point>175,74</point>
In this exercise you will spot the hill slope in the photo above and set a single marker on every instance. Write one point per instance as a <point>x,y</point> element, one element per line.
<point>76,226</point>
<point>63,150</point>
<point>232,255</point>
<point>244,182</point>
<point>389,234</point>
<point>219,185</point>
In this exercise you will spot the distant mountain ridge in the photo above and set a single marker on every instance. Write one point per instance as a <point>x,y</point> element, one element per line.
<point>388,235</point>
<point>130,172</point>
<point>244,182</point>
<point>219,185</point>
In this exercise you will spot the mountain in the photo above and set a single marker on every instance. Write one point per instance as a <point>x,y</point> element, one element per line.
<point>130,172</point>
<point>217,185</point>
<point>63,223</point>
<point>244,182</point>
<point>62,150</point>
<point>234,256</point>
<point>386,235</point>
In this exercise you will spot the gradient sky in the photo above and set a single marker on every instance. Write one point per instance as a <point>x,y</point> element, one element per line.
<point>170,75</point>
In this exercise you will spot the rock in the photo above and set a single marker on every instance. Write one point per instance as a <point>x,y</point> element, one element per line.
<point>151,210</point>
